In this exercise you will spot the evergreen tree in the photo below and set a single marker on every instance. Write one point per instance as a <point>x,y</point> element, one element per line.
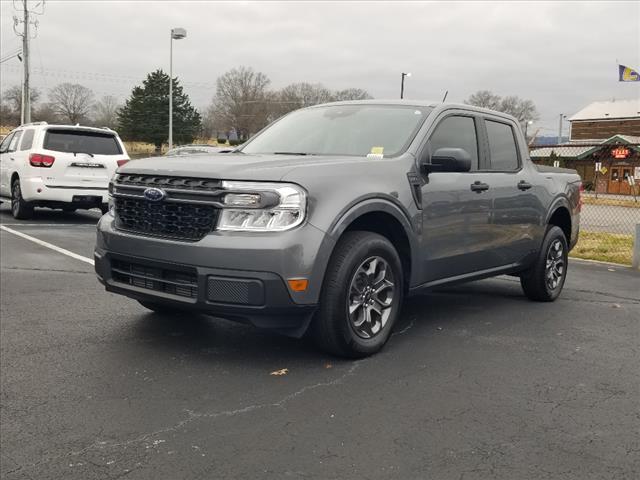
<point>145,115</point>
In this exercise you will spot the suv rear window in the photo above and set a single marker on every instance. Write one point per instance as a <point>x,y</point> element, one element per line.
<point>78,141</point>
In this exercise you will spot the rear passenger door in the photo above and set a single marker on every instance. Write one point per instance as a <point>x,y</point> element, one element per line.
<point>10,160</point>
<point>5,189</point>
<point>516,211</point>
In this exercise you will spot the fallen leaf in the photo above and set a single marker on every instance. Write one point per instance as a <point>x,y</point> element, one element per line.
<point>280,372</point>
<point>328,365</point>
<point>615,305</point>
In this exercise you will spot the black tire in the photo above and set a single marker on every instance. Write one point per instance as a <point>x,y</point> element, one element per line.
<point>20,209</point>
<point>160,308</point>
<point>104,209</point>
<point>543,282</point>
<point>334,327</point>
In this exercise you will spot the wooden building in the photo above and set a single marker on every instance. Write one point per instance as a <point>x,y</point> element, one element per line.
<point>603,134</point>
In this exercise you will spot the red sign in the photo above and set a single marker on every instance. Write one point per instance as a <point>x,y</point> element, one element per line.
<point>620,152</point>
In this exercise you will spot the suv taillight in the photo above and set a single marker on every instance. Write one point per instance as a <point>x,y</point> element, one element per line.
<point>121,162</point>
<point>40,160</point>
<point>580,197</point>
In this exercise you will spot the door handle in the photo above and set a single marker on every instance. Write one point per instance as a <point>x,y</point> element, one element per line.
<point>478,186</point>
<point>522,185</point>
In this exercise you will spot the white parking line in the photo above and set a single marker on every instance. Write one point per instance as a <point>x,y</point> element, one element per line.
<point>47,245</point>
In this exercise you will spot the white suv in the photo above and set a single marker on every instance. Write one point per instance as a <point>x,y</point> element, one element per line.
<point>58,166</point>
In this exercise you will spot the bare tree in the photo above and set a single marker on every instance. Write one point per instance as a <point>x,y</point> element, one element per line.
<point>71,101</point>
<point>351,94</point>
<point>45,113</point>
<point>485,99</point>
<point>105,112</point>
<point>523,110</point>
<point>12,104</point>
<point>241,101</point>
<point>13,95</point>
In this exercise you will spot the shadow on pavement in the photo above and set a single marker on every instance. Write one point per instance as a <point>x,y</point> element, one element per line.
<point>46,215</point>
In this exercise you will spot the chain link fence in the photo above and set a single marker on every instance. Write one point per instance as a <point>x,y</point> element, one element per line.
<point>611,200</point>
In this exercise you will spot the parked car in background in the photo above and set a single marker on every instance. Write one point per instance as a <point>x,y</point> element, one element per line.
<point>194,148</point>
<point>330,216</point>
<point>58,166</point>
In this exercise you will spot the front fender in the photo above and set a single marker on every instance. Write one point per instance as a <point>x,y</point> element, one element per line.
<point>363,206</point>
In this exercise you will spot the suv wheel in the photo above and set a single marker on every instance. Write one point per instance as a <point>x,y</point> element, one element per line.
<point>543,282</point>
<point>20,209</point>
<point>361,296</point>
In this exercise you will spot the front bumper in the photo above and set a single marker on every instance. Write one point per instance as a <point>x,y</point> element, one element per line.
<point>238,276</point>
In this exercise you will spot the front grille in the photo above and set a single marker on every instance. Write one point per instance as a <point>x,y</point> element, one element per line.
<point>183,283</point>
<point>188,212</point>
<point>174,220</point>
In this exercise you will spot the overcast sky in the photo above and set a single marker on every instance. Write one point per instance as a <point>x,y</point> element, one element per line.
<point>561,55</point>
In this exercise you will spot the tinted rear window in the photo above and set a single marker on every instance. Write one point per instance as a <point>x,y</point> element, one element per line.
<point>502,146</point>
<point>77,141</point>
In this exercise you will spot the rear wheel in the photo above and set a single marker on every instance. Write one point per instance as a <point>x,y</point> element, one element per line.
<point>20,209</point>
<point>361,296</point>
<point>543,282</point>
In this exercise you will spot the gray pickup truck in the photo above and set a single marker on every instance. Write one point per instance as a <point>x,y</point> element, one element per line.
<point>324,221</point>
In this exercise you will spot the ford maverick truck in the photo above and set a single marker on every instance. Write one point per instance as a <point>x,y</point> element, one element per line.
<point>327,219</point>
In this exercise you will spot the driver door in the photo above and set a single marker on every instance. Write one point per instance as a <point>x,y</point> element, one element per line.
<point>456,206</point>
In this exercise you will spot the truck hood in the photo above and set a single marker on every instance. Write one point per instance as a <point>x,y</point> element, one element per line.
<point>233,166</point>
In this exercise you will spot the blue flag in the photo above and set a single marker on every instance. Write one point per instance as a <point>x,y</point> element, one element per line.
<point>627,74</point>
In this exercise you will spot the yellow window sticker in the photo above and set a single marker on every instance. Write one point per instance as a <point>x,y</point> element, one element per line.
<point>376,152</point>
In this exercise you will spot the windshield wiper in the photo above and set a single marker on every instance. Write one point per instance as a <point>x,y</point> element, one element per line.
<point>292,153</point>
<point>84,153</point>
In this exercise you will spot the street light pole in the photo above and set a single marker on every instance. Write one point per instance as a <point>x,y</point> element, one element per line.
<point>176,34</point>
<point>402,84</point>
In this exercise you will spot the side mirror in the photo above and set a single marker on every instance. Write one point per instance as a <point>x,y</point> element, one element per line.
<point>448,160</point>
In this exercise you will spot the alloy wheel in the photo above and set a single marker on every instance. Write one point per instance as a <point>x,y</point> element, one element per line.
<point>555,267</point>
<point>371,295</point>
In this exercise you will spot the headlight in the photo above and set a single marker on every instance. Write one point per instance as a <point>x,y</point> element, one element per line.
<point>112,207</point>
<point>262,207</point>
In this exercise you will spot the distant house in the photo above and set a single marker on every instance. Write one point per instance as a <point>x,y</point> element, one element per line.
<point>604,133</point>
<point>602,120</point>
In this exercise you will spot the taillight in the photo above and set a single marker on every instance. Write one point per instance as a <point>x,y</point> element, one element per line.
<point>580,190</point>
<point>121,162</point>
<point>40,160</point>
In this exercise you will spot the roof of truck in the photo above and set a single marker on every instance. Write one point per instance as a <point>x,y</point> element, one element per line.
<point>417,103</point>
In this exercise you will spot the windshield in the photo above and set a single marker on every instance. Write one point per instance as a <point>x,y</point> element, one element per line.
<point>78,141</point>
<point>342,130</point>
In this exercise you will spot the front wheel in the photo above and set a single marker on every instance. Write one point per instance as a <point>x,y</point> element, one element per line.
<point>361,296</point>
<point>20,209</point>
<point>543,282</point>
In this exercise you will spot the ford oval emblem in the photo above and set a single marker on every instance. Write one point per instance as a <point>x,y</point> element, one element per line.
<point>154,194</point>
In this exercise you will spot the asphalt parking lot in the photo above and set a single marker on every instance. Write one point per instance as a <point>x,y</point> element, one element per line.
<point>476,383</point>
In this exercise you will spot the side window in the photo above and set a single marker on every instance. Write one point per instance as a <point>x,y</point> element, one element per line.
<point>4,146</point>
<point>13,146</point>
<point>27,139</point>
<point>457,132</point>
<point>502,146</point>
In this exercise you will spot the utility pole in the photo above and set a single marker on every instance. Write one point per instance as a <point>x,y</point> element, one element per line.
<point>26,93</point>
<point>560,129</point>
<point>25,33</point>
